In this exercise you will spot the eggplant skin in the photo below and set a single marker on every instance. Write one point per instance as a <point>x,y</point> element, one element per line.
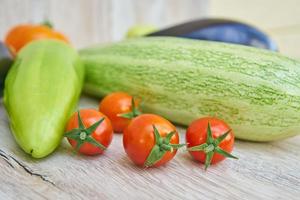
<point>5,63</point>
<point>41,91</point>
<point>222,30</point>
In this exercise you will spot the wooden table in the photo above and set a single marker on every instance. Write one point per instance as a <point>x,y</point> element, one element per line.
<point>264,171</point>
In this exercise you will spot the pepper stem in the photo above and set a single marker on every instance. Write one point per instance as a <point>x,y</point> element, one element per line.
<point>47,23</point>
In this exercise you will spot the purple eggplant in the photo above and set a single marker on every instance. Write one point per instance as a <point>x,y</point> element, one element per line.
<point>5,63</point>
<point>222,30</point>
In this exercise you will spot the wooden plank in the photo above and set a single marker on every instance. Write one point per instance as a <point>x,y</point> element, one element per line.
<point>264,171</point>
<point>95,21</point>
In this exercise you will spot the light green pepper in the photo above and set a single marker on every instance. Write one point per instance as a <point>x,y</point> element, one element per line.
<point>41,90</point>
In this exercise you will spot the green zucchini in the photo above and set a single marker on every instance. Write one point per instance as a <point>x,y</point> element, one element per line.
<point>256,91</point>
<point>41,90</point>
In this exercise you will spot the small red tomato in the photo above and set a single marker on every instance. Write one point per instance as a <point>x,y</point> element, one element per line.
<point>150,140</point>
<point>209,140</point>
<point>89,132</point>
<point>120,108</point>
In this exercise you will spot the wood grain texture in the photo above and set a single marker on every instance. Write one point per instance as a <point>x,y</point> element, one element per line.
<point>264,171</point>
<point>98,21</point>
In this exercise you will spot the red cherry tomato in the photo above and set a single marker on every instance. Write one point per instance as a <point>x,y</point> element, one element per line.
<point>150,140</point>
<point>211,151</point>
<point>120,108</point>
<point>93,135</point>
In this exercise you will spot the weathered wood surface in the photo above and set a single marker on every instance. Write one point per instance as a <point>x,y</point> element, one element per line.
<point>87,22</point>
<point>264,171</point>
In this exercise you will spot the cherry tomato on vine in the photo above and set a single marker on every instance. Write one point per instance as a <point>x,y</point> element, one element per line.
<point>209,140</point>
<point>120,108</point>
<point>89,132</point>
<point>150,140</point>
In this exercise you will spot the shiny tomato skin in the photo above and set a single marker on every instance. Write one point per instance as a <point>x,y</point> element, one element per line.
<point>103,134</point>
<point>114,104</point>
<point>138,138</point>
<point>197,132</point>
<point>21,35</point>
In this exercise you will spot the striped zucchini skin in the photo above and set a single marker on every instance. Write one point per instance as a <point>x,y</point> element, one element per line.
<point>256,91</point>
